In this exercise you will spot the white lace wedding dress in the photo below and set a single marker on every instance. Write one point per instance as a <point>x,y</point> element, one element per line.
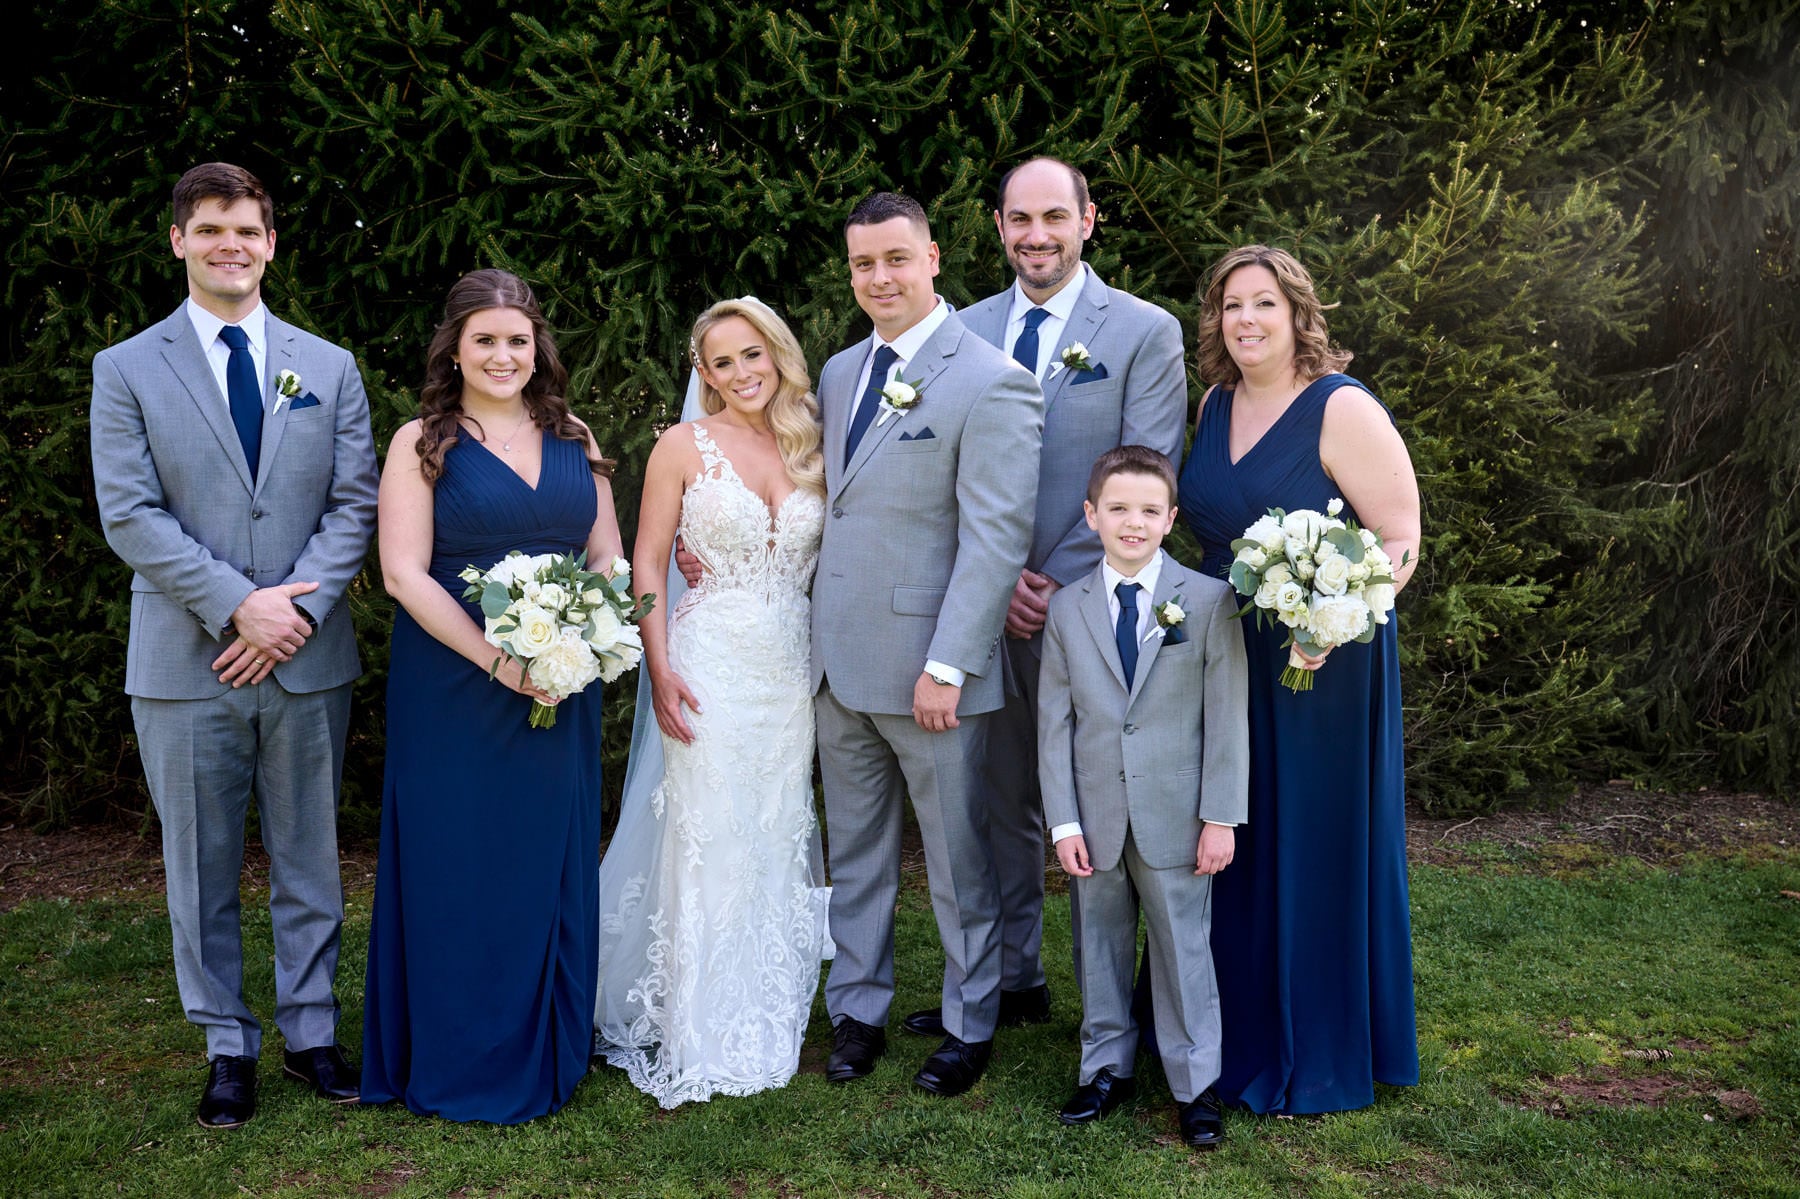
<point>712,911</point>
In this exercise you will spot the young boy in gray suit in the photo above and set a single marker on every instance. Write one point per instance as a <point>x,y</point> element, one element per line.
<point>1144,761</point>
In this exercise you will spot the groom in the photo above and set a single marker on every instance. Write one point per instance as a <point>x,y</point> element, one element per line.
<point>236,477</point>
<point>931,466</point>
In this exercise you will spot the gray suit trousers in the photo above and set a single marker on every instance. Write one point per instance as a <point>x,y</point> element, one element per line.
<point>1016,819</point>
<point>1177,906</point>
<point>870,763</point>
<point>204,759</point>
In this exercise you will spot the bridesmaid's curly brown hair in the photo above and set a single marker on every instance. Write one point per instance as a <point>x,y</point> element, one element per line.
<point>440,397</point>
<point>1314,355</point>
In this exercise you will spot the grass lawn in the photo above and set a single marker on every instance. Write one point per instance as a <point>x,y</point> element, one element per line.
<point>1586,1026</point>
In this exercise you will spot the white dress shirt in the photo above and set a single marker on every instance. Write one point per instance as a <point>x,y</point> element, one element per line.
<point>1060,307</point>
<point>218,354</point>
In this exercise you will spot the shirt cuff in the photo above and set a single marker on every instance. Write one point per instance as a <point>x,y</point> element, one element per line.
<point>1219,823</point>
<point>1063,831</point>
<point>948,675</point>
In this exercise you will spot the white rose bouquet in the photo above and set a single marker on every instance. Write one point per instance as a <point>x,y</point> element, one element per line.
<point>1328,580</point>
<point>563,624</point>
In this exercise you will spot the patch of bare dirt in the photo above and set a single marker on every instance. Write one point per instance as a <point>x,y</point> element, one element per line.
<point>1602,824</point>
<point>1599,825</point>
<point>100,862</point>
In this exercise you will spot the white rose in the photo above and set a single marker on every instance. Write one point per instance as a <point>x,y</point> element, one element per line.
<point>493,638</point>
<point>529,588</point>
<point>552,597</point>
<point>622,655</point>
<point>620,569</point>
<point>1305,568</point>
<point>1360,572</point>
<point>1337,619</point>
<point>1278,574</point>
<point>593,597</point>
<point>536,633</point>
<point>608,629</point>
<point>1334,507</point>
<point>1325,550</point>
<point>1267,532</point>
<point>1253,557</point>
<point>1379,561</point>
<point>1380,600</point>
<point>1369,540</point>
<point>1303,524</point>
<point>1172,614</point>
<point>566,666</point>
<point>1333,575</point>
<point>899,394</point>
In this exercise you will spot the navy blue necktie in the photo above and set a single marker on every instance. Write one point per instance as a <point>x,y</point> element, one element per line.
<point>1126,631</point>
<point>244,393</point>
<point>1025,350</point>
<point>871,398</point>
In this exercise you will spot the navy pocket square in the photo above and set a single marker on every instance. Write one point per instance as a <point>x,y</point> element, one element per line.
<point>309,400</point>
<point>1093,374</point>
<point>924,434</point>
<point>1174,635</point>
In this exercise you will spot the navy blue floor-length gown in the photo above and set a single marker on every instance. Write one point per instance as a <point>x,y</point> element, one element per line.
<point>483,949</point>
<point>1311,933</point>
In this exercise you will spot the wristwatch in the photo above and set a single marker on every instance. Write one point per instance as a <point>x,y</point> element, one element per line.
<point>939,679</point>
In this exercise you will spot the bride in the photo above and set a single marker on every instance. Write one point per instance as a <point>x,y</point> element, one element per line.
<point>712,908</point>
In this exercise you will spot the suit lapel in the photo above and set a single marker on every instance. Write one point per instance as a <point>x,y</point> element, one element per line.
<point>278,356</point>
<point>1168,582</point>
<point>187,361</point>
<point>1083,326</point>
<point>834,410</point>
<point>921,372</point>
<point>1096,611</point>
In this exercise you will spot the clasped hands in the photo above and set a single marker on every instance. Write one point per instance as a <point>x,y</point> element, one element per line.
<point>269,629</point>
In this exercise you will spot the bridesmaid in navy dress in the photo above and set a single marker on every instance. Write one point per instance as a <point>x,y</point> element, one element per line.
<point>483,951</point>
<point>1311,934</point>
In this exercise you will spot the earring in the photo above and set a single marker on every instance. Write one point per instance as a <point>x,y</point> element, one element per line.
<point>455,365</point>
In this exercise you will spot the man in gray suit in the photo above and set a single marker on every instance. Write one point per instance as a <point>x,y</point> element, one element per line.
<point>236,477</point>
<point>1129,387</point>
<point>1145,763</point>
<point>931,469</point>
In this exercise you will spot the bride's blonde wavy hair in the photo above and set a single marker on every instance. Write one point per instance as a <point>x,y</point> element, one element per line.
<point>793,414</point>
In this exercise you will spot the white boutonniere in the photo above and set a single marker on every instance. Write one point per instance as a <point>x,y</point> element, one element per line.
<point>1075,357</point>
<point>1170,616</point>
<point>287,387</point>
<point>897,398</point>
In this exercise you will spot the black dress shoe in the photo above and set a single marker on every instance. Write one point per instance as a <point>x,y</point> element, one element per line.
<point>1201,1125</point>
<point>1030,1006</point>
<point>325,1070</point>
<point>954,1067</point>
<point>854,1048</point>
<point>1098,1098</point>
<point>229,1099</point>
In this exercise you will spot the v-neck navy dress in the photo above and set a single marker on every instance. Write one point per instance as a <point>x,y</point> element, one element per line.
<point>1311,933</point>
<point>483,949</point>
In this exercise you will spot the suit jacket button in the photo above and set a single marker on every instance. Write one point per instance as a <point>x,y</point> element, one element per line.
<point>249,572</point>
<point>256,514</point>
<point>1121,776</point>
<point>1130,729</point>
<point>837,512</point>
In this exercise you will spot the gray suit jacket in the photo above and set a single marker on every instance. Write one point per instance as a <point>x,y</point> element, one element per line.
<point>927,527</point>
<point>1141,400</point>
<point>177,503</point>
<point>1172,751</point>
